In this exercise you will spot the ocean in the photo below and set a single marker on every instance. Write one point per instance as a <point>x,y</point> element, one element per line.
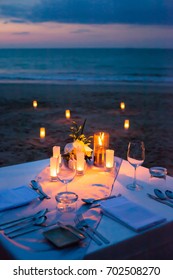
<point>87,65</point>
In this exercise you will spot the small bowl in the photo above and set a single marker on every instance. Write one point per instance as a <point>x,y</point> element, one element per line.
<point>159,172</point>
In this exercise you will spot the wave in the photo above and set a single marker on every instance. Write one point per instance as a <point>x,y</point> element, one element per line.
<point>87,78</point>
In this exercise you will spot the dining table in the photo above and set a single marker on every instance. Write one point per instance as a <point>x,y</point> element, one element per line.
<point>124,243</point>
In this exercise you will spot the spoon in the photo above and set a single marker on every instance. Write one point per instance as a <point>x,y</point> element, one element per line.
<point>161,195</point>
<point>169,194</point>
<point>37,187</point>
<point>38,221</point>
<point>92,200</point>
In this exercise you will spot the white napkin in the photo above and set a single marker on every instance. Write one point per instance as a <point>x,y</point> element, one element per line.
<point>16,197</point>
<point>130,214</point>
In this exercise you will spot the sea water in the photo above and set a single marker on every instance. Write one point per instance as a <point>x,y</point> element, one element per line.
<point>87,65</point>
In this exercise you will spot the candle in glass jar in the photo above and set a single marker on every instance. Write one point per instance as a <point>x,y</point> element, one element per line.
<point>101,143</point>
<point>126,124</point>
<point>109,158</point>
<point>67,114</point>
<point>57,154</point>
<point>56,151</point>
<point>42,134</point>
<point>80,165</point>
<point>122,106</point>
<point>35,104</point>
<point>53,168</point>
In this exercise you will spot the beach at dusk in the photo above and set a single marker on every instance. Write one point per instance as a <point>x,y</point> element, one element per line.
<point>147,108</point>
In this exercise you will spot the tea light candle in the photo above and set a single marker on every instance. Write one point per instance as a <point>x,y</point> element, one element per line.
<point>35,104</point>
<point>67,114</point>
<point>126,124</point>
<point>80,166</point>
<point>122,106</point>
<point>101,143</point>
<point>53,168</point>
<point>109,159</point>
<point>42,134</point>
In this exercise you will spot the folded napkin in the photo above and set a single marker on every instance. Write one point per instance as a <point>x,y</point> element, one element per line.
<point>130,214</point>
<point>16,197</point>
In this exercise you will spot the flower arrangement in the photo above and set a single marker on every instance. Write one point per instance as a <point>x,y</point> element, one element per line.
<point>80,143</point>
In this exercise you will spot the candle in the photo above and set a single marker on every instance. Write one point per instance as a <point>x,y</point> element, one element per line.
<point>122,106</point>
<point>67,114</point>
<point>35,104</point>
<point>53,168</point>
<point>57,155</point>
<point>56,151</point>
<point>126,124</point>
<point>42,134</point>
<point>109,159</point>
<point>80,166</point>
<point>101,143</point>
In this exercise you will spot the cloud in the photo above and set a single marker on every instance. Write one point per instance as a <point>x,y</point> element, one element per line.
<point>82,30</point>
<point>21,33</point>
<point>155,12</point>
<point>15,21</point>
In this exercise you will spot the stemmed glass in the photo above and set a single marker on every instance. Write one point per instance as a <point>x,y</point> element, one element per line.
<point>66,175</point>
<point>135,156</point>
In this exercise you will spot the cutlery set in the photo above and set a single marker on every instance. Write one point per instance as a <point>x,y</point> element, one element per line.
<point>159,196</point>
<point>93,234</point>
<point>36,186</point>
<point>14,228</point>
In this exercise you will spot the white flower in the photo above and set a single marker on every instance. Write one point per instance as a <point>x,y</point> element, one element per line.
<point>79,146</point>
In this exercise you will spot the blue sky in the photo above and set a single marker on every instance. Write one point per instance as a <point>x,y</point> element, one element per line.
<point>86,23</point>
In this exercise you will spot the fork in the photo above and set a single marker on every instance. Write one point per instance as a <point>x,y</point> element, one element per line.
<point>82,222</point>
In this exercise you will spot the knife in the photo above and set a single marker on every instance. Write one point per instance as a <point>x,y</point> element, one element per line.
<point>73,230</point>
<point>23,231</point>
<point>160,200</point>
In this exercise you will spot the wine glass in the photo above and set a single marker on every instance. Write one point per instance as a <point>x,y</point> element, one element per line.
<point>135,156</point>
<point>66,174</point>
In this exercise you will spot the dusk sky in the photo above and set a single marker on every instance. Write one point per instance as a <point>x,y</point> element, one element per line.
<point>86,23</point>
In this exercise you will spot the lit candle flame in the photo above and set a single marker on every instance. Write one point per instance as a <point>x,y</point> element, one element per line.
<point>101,139</point>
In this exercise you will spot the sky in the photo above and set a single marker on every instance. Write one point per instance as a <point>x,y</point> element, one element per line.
<point>86,23</point>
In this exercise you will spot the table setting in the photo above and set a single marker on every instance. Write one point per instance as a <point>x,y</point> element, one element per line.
<point>67,207</point>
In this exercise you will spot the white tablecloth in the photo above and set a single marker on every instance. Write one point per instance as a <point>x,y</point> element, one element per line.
<point>124,243</point>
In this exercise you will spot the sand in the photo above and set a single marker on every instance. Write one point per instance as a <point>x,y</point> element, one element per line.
<point>148,107</point>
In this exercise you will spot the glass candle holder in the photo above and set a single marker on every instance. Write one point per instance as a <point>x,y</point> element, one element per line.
<point>67,114</point>
<point>80,165</point>
<point>122,106</point>
<point>53,168</point>
<point>109,159</point>
<point>42,134</point>
<point>35,104</point>
<point>101,144</point>
<point>126,124</point>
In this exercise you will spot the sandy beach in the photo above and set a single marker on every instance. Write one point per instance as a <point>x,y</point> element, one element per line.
<point>148,107</point>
